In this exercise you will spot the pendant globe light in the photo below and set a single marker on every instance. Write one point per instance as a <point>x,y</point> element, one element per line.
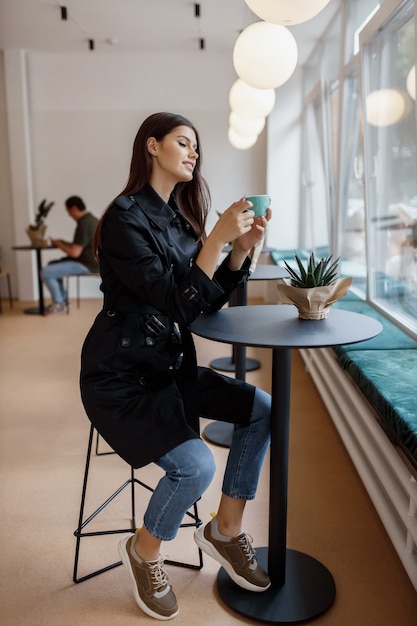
<point>246,128</point>
<point>385,107</point>
<point>287,12</point>
<point>251,103</point>
<point>265,55</point>
<point>240,142</point>
<point>411,82</point>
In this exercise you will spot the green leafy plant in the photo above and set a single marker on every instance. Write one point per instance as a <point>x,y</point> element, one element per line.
<point>318,273</point>
<point>41,214</point>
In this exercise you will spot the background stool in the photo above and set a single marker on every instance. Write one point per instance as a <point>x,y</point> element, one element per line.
<point>77,285</point>
<point>5,273</point>
<point>131,481</point>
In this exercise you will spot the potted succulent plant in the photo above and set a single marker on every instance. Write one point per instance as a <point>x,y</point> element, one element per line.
<point>36,231</point>
<point>314,288</point>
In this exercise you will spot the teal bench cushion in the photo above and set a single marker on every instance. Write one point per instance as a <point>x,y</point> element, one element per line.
<point>388,379</point>
<point>288,255</point>
<point>392,337</point>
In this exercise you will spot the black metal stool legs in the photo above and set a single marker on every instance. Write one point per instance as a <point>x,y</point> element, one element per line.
<point>82,523</point>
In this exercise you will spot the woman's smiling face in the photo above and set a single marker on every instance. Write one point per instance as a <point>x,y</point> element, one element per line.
<point>175,155</point>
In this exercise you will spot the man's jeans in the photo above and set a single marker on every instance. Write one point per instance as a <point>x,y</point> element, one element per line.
<point>190,468</point>
<point>54,273</point>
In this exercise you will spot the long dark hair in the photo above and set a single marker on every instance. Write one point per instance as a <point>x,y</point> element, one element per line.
<point>193,197</point>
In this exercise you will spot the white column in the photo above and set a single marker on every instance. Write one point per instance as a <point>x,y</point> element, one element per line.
<point>16,84</point>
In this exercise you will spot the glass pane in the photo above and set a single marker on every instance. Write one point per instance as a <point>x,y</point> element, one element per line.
<point>359,12</point>
<point>351,245</point>
<point>313,218</point>
<point>391,166</point>
<point>331,52</point>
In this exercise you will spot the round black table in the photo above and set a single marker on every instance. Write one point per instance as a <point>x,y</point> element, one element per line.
<point>238,362</point>
<point>302,588</point>
<point>221,433</point>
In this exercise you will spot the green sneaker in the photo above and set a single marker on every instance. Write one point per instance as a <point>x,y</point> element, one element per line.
<point>235,554</point>
<point>152,592</point>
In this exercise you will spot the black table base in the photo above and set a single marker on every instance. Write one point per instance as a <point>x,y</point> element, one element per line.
<point>220,433</point>
<point>35,310</point>
<point>228,364</point>
<point>309,590</point>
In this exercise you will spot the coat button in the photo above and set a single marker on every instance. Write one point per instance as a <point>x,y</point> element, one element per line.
<point>149,341</point>
<point>125,341</point>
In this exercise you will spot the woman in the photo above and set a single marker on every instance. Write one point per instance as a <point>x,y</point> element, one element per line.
<point>140,383</point>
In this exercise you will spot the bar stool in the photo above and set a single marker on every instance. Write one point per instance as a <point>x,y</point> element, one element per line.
<point>131,481</point>
<point>77,284</point>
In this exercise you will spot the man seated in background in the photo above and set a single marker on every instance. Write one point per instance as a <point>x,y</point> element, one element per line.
<point>80,258</point>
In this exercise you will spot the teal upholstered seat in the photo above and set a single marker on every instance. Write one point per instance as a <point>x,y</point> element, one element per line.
<point>392,337</point>
<point>388,379</point>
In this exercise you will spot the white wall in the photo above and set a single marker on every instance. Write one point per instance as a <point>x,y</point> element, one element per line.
<point>84,111</point>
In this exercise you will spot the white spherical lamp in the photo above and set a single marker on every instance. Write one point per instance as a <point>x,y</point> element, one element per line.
<point>411,82</point>
<point>244,127</point>
<point>240,142</point>
<point>251,103</point>
<point>287,12</point>
<point>265,55</point>
<point>384,107</point>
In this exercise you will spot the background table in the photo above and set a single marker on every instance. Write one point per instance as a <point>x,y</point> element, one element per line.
<point>302,588</point>
<point>238,363</point>
<point>221,433</point>
<point>40,310</point>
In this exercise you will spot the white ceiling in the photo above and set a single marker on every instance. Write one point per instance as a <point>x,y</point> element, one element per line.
<point>163,26</point>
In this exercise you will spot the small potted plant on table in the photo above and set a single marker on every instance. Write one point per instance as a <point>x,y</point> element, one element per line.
<point>36,231</point>
<point>313,289</point>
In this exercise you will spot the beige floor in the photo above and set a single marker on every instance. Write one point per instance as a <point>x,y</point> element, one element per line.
<point>43,442</point>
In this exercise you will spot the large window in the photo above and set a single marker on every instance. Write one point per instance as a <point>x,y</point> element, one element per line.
<point>320,146</point>
<point>314,223</point>
<point>351,206</point>
<point>390,165</point>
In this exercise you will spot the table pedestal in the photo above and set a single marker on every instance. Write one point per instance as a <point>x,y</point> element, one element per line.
<point>302,587</point>
<point>309,590</point>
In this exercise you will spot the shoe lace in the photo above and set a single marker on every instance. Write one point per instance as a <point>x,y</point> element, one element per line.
<point>158,575</point>
<point>245,541</point>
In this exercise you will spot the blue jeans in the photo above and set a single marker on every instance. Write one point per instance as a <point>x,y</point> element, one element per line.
<point>190,469</point>
<point>54,273</point>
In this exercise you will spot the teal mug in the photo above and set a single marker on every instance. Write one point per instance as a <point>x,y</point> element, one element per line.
<point>259,204</point>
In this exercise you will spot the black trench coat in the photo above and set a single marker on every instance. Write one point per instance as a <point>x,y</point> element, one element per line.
<point>140,384</point>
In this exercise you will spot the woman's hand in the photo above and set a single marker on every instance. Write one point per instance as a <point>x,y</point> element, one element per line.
<point>235,222</point>
<point>246,241</point>
<point>237,225</point>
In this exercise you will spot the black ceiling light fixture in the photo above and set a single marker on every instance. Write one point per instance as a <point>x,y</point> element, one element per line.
<point>64,13</point>
<point>91,44</point>
<point>197,14</point>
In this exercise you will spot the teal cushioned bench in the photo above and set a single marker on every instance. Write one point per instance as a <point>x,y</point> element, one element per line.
<point>388,379</point>
<point>287,255</point>
<point>385,370</point>
<point>392,337</point>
